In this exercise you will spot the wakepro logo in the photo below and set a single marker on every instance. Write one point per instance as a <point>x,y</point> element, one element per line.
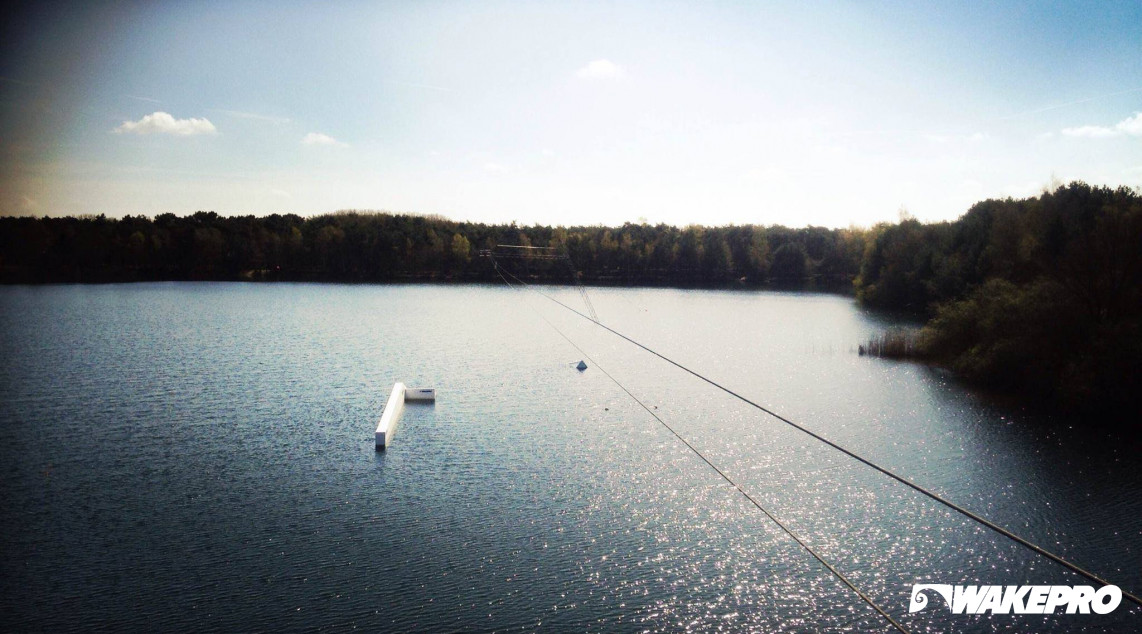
<point>1018,599</point>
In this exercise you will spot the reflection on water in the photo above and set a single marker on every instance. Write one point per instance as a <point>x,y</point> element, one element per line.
<point>201,455</point>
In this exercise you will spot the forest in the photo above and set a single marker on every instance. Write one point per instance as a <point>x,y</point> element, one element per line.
<point>1039,296</point>
<point>354,246</point>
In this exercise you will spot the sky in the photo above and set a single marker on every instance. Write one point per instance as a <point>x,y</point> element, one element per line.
<point>565,113</point>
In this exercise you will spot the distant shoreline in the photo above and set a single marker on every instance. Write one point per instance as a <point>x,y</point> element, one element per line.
<point>1040,297</point>
<point>23,278</point>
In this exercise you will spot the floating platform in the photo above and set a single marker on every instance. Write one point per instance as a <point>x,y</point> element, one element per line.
<point>419,394</point>
<point>387,426</point>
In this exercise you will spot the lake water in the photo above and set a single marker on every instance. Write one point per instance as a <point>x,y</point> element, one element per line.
<point>200,457</point>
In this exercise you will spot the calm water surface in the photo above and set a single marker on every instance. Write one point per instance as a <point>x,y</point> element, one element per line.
<point>200,456</point>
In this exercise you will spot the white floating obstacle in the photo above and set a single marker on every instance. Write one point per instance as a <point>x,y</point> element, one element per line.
<point>419,394</point>
<point>393,409</point>
<point>387,427</point>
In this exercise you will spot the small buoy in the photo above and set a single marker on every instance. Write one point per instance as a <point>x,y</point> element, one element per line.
<point>582,366</point>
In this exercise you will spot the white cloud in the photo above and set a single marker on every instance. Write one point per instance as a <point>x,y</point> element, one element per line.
<point>496,168</point>
<point>1092,131</point>
<point>164,123</point>
<point>600,69</point>
<point>317,138</point>
<point>1130,126</point>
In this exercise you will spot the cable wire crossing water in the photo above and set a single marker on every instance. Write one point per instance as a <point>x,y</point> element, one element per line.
<point>934,496</point>
<point>721,473</point>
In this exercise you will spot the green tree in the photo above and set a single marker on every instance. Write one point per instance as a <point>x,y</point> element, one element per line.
<point>461,249</point>
<point>790,264</point>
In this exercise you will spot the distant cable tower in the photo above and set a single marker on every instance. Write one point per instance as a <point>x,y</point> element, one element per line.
<point>518,252</point>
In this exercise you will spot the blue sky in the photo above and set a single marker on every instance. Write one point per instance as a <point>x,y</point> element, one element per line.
<point>823,113</point>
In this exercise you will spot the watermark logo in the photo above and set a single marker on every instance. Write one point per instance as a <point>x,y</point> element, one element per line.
<point>1017,599</point>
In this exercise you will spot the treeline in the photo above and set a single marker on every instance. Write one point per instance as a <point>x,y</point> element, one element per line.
<point>1041,296</point>
<point>366,246</point>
